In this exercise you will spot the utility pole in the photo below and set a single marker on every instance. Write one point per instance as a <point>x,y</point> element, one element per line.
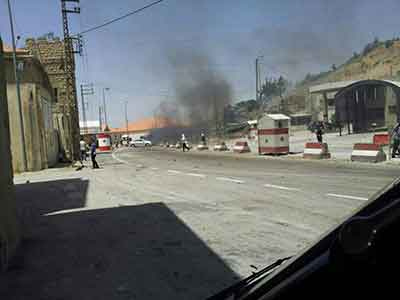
<point>70,83</point>
<point>258,79</point>
<point>86,89</point>
<point>126,116</point>
<point>216,116</point>
<point>21,115</point>
<point>104,107</point>
<point>257,88</point>
<point>101,125</point>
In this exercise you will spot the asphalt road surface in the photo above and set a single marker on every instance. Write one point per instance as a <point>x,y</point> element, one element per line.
<point>172,225</point>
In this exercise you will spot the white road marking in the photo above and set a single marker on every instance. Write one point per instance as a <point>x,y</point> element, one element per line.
<point>347,197</point>
<point>155,169</point>
<point>279,187</point>
<point>230,179</point>
<point>174,171</point>
<point>118,159</point>
<point>196,175</point>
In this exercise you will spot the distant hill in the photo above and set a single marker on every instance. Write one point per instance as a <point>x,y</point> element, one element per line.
<point>378,60</point>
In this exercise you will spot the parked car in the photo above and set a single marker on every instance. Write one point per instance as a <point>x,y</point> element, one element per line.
<point>140,143</point>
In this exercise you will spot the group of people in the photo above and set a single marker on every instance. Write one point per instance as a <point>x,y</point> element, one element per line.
<point>319,129</point>
<point>84,148</point>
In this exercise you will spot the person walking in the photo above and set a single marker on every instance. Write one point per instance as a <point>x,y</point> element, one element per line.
<point>93,147</point>
<point>396,140</point>
<point>82,147</point>
<point>319,131</point>
<point>203,138</point>
<point>184,143</point>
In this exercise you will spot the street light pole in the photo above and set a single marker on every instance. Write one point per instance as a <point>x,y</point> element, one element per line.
<point>21,115</point>
<point>104,107</point>
<point>100,122</point>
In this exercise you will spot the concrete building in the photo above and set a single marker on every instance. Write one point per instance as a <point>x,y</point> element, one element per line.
<point>9,236</point>
<point>359,105</point>
<point>41,137</point>
<point>50,52</point>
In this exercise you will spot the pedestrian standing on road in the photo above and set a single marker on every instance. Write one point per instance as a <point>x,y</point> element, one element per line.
<point>93,147</point>
<point>319,131</point>
<point>184,143</point>
<point>82,147</point>
<point>396,140</point>
<point>203,138</point>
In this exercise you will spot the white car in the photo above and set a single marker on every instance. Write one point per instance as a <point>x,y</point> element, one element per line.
<point>140,143</point>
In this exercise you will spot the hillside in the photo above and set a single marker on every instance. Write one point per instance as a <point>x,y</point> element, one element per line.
<point>378,60</point>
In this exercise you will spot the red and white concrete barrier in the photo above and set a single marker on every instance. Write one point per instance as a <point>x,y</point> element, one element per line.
<point>316,151</point>
<point>381,139</point>
<point>241,147</point>
<point>368,153</point>
<point>104,141</point>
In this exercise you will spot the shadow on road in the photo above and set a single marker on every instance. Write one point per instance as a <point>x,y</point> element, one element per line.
<point>129,252</point>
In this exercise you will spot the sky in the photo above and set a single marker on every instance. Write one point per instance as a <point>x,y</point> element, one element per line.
<point>132,56</point>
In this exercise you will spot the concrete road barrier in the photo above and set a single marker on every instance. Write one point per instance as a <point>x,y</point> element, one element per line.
<point>241,147</point>
<point>368,153</point>
<point>202,147</point>
<point>220,147</point>
<point>381,139</point>
<point>316,151</point>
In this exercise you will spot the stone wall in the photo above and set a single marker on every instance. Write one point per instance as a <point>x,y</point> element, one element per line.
<point>9,236</point>
<point>37,99</point>
<point>50,52</point>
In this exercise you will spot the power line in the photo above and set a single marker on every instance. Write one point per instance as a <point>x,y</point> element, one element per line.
<point>122,17</point>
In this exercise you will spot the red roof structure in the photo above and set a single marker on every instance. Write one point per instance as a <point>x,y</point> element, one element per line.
<point>146,124</point>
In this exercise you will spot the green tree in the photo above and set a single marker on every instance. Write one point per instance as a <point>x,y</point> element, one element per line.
<point>273,87</point>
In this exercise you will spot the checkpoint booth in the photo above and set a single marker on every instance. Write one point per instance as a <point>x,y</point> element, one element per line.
<point>104,143</point>
<point>273,134</point>
<point>252,138</point>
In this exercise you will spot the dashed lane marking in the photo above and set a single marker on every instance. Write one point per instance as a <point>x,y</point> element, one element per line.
<point>230,179</point>
<point>196,175</point>
<point>174,171</point>
<point>155,169</point>
<point>347,197</point>
<point>279,187</point>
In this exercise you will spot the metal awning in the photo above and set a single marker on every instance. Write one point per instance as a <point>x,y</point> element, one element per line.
<point>338,85</point>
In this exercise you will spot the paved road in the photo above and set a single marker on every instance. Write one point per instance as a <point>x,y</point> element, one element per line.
<point>165,224</point>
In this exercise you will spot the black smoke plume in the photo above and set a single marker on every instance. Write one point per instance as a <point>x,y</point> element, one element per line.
<point>201,91</point>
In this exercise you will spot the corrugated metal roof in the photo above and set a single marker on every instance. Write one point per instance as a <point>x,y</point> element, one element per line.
<point>331,86</point>
<point>337,85</point>
<point>278,116</point>
<point>147,124</point>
